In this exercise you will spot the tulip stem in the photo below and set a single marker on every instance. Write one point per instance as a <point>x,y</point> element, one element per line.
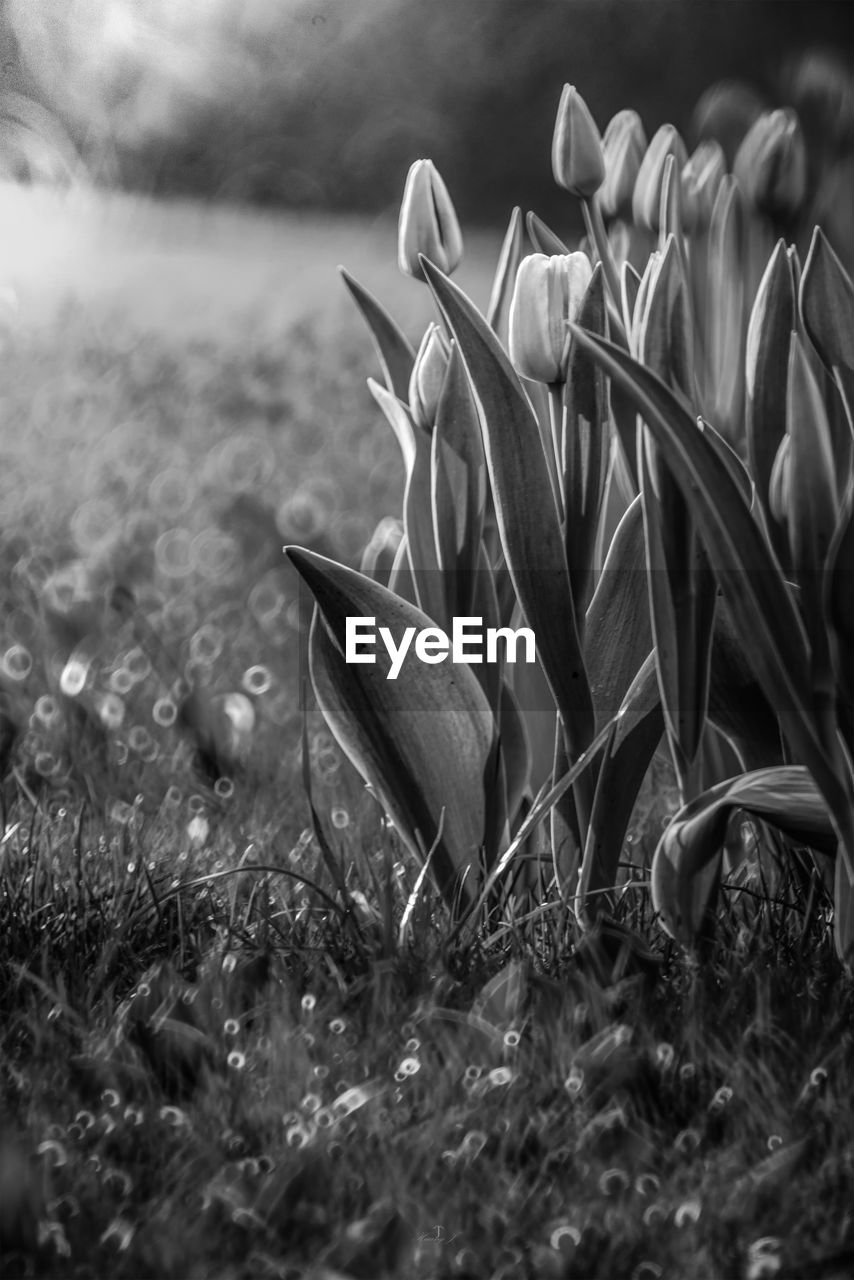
<point>556,411</point>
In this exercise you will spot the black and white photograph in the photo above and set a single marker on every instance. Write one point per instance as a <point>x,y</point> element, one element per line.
<point>426,640</point>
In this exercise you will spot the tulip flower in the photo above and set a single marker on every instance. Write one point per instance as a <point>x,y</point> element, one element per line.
<point>646,201</point>
<point>428,374</point>
<point>771,165</point>
<point>702,176</point>
<point>548,295</point>
<point>578,159</point>
<point>624,146</point>
<point>428,223</point>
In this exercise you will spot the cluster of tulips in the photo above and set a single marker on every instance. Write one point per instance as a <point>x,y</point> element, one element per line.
<point>643,453</point>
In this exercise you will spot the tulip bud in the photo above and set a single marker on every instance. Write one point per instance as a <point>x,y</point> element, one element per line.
<point>665,337</point>
<point>646,201</point>
<point>578,161</point>
<point>428,223</point>
<point>624,146</point>
<point>779,484</point>
<point>725,112</point>
<point>548,295</point>
<point>701,179</point>
<point>771,165</point>
<point>428,374</point>
<point>827,304</point>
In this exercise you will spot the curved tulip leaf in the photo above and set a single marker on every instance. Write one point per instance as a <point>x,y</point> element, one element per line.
<point>395,353</point>
<point>627,758</point>
<point>543,238</point>
<point>512,253</point>
<point>399,419</point>
<point>733,463</point>
<point>763,613</point>
<point>785,797</point>
<point>425,741</point>
<point>527,517</point>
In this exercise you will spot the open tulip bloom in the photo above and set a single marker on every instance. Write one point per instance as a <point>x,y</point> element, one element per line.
<point>642,455</point>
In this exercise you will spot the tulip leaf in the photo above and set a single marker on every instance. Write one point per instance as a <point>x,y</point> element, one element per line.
<point>737,705</point>
<point>617,634</point>
<point>827,303</point>
<point>763,613</point>
<point>395,353</point>
<point>527,517</point>
<point>629,287</point>
<point>585,446</point>
<point>843,916</point>
<point>460,512</point>
<point>536,705</point>
<point>827,307</point>
<point>400,579</point>
<point>725,313</point>
<point>766,368</point>
<point>425,741</point>
<point>512,252</point>
<point>838,605</point>
<point>486,606</point>
<point>812,505</point>
<point>626,761</point>
<point>399,419</point>
<point>515,750</point>
<point>786,797</point>
<point>543,238</point>
<point>681,585</point>
<point>447,508</point>
<point>420,539</point>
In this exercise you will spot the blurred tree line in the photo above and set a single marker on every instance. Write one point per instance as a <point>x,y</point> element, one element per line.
<point>325,103</point>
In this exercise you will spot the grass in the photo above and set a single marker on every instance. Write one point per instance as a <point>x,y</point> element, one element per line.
<point>222,1052</point>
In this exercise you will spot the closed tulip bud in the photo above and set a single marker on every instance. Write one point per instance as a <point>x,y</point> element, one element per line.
<point>771,165</point>
<point>428,223</point>
<point>548,295</point>
<point>702,176</point>
<point>428,374</point>
<point>646,201</point>
<point>778,486</point>
<point>578,160</point>
<point>624,146</point>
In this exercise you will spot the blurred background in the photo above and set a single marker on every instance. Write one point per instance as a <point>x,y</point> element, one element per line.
<point>183,384</point>
<point>325,103</point>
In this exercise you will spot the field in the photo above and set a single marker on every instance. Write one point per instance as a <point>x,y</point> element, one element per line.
<point>222,1054</point>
